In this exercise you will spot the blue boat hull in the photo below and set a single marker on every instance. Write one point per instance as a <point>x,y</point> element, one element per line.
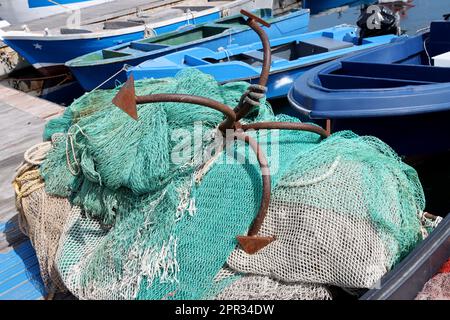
<point>393,93</point>
<point>413,135</point>
<point>109,75</point>
<point>49,56</point>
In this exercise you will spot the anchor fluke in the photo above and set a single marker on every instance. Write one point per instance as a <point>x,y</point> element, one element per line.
<point>253,244</point>
<point>126,98</point>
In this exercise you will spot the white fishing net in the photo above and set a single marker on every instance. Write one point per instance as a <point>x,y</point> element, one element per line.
<point>341,220</point>
<point>252,287</point>
<point>41,215</point>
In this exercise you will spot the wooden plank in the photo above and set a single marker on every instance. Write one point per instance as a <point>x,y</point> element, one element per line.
<point>19,131</point>
<point>22,122</point>
<point>38,107</point>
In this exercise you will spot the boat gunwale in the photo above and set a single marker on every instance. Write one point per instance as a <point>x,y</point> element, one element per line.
<point>79,62</point>
<point>23,35</point>
<point>289,64</point>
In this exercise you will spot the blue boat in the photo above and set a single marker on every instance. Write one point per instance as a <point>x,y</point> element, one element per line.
<point>49,50</point>
<point>105,68</point>
<point>394,92</point>
<point>291,57</point>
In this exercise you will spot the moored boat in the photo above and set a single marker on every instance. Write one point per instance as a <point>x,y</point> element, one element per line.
<point>291,57</point>
<point>397,92</point>
<point>105,67</point>
<point>48,50</point>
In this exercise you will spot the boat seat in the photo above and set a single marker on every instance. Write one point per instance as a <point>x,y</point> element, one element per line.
<point>110,54</point>
<point>114,25</point>
<point>142,46</point>
<point>318,45</point>
<point>259,56</point>
<point>73,31</point>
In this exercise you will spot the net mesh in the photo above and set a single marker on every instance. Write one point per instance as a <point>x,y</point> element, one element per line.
<point>41,215</point>
<point>144,224</point>
<point>251,287</point>
<point>437,288</point>
<point>343,215</point>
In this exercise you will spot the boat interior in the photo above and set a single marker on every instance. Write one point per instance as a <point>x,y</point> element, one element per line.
<point>173,39</point>
<point>393,68</point>
<point>289,51</point>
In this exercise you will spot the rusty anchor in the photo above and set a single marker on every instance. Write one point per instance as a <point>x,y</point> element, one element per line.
<point>127,100</point>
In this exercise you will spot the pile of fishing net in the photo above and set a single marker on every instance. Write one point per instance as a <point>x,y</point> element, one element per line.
<point>149,220</point>
<point>438,287</point>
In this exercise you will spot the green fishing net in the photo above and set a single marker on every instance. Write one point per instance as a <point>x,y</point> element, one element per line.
<point>156,225</point>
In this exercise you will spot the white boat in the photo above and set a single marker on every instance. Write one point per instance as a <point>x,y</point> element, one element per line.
<point>20,11</point>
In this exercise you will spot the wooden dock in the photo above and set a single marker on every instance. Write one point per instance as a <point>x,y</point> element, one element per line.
<point>22,120</point>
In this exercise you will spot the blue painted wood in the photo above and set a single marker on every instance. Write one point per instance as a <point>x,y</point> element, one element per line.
<point>19,274</point>
<point>94,69</point>
<point>291,57</point>
<point>47,52</point>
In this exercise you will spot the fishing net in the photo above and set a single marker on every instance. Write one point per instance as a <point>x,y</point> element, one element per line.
<point>155,222</point>
<point>251,287</point>
<point>437,288</point>
<point>343,215</point>
<point>41,215</point>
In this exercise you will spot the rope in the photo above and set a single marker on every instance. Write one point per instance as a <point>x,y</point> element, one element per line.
<point>254,94</point>
<point>124,68</point>
<point>227,53</point>
<point>426,51</point>
<point>36,154</point>
<point>189,12</point>
<point>71,140</point>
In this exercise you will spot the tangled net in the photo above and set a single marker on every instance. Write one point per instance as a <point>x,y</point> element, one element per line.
<point>147,221</point>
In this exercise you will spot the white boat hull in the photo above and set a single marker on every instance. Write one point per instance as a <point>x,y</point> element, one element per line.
<point>20,11</point>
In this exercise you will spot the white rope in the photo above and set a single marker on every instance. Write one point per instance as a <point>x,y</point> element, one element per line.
<point>227,53</point>
<point>36,154</point>
<point>124,68</point>
<point>189,12</point>
<point>71,139</point>
<point>426,51</point>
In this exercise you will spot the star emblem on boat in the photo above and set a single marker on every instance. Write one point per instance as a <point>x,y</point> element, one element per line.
<point>37,46</point>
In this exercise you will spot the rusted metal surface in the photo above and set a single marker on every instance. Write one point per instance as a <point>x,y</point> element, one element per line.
<point>252,245</point>
<point>286,126</point>
<point>244,107</point>
<point>190,99</point>
<point>266,179</point>
<point>126,98</point>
